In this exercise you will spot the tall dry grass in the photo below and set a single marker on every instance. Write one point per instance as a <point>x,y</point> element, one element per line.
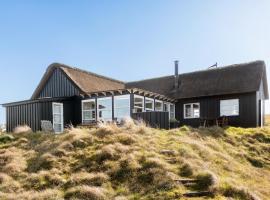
<point>133,161</point>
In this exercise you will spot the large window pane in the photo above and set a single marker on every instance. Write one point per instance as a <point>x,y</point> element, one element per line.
<point>192,110</point>
<point>229,107</point>
<point>172,111</point>
<point>149,104</point>
<point>105,108</point>
<point>89,105</point>
<point>158,105</point>
<point>88,111</point>
<point>138,103</point>
<point>121,107</point>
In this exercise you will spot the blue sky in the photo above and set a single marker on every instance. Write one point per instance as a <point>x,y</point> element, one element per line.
<point>126,40</point>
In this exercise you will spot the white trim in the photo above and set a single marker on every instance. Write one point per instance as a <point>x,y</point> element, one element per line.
<point>162,105</point>
<point>153,106</point>
<point>140,97</point>
<point>88,100</point>
<point>61,116</point>
<point>192,110</point>
<point>173,111</point>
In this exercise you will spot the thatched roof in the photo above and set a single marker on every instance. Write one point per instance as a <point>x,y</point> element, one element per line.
<point>239,78</point>
<point>86,82</point>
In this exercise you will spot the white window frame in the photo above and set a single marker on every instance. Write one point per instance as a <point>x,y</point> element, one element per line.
<point>85,101</point>
<point>140,97</point>
<point>172,111</point>
<point>169,108</point>
<point>127,96</point>
<point>61,117</point>
<point>162,106</point>
<point>192,110</point>
<point>111,109</point>
<point>153,102</point>
<point>224,100</point>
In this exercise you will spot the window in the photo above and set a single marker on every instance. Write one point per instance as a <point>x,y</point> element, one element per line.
<point>229,107</point>
<point>149,104</point>
<point>88,111</point>
<point>121,107</point>
<point>58,125</point>
<point>166,107</point>
<point>104,108</point>
<point>191,110</point>
<point>169,107</point>
<point>172,111</point>
<point>138,103</point>
<point>158,105</point>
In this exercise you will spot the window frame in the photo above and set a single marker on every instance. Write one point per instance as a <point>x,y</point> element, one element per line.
<point>162,106</point>
<point>238,107</point>
<point>192,110</point>
<point>140,97</point>
<point>115,107</point>
<point>173,117</point>
<point>111,109</point>
<point>61,116</point>
<point>90,110</point>
<point>153,104</point>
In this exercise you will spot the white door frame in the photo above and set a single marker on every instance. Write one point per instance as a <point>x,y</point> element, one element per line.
<point>61,117</point>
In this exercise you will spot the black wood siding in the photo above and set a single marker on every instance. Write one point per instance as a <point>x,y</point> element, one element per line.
<point>59,85</point>
<point>210,108</point>
<point>31,113</point>
<point>153,119</point>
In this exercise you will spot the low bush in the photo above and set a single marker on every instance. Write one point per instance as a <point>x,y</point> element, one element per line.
<point>85,193</point>
<point>205,180</point>
<point>12,161</point>
<point>43,180</point>
<point>185,170</point>
<point>49,194</point>
<point>238,193</point>
<point>4,138</point>
<point>22,129</point>
<point>84,178</point>
<point>41,162</point>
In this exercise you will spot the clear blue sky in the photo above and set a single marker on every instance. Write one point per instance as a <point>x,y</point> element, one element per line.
<point>126,40</point>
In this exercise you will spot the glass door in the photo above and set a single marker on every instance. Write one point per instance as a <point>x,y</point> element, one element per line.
<point>58,124</point>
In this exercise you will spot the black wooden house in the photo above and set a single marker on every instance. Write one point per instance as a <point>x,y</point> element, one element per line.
<point>67,95</point>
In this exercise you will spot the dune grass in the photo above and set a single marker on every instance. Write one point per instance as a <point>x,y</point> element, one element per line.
<point>136,162</point>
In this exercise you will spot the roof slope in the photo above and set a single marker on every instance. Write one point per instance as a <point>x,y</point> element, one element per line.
<point>239,78</point>
<point>87,82</point>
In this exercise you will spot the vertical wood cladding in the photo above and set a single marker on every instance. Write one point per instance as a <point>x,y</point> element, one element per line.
<point>32,112</point>
<point>210,108</point>
<point>153,118</point>
<point>59,85</point>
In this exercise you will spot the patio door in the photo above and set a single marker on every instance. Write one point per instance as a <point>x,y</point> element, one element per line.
<point>58,122</point>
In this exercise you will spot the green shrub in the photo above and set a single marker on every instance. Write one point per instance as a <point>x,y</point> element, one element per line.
<point>186,170</point>
<point>205,180</point>
<point>4,138</point>
<point>255,162</point>
<point>238,193</point>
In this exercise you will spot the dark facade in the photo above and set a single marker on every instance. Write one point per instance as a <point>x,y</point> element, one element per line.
<point>63,84</point>
<point>210,109</point>
<point>33,111</point>
<point>59,85</point>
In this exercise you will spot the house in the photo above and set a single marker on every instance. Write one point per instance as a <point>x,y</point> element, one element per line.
<point>68,95</point>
